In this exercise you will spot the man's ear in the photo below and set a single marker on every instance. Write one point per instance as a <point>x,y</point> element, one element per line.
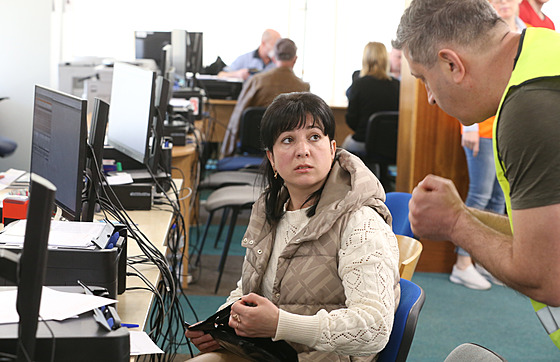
<point>452,64</point>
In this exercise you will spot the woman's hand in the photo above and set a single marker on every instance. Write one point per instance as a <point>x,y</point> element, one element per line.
<point>203,341</point>
<point>471,140</point>
<point>254,316</point>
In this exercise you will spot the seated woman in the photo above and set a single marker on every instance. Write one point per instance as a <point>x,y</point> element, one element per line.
<point>374,91</point>
<point>321,267</point>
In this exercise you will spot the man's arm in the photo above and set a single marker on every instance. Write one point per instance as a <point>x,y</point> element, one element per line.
<point>528,262</point>
<point>240,74</point>
<point>494,221</point>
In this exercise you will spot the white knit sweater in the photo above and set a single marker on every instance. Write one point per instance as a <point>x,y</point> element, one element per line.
<point>368,263</point>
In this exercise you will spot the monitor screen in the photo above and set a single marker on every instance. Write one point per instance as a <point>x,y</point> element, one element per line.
<point>180,42</point>
<point>187,52</point>
<point>194,53</point>
<point>94,159</point>
<point>132,110</point>
<point>149,45</point>
<point>59,144</point>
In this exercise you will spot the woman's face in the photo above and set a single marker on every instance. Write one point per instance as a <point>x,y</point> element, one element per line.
<point>303,158</point>
<point>506,9</point>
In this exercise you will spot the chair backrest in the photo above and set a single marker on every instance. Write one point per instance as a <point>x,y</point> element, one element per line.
<point>397,202</point>
<point>381,137</point>
<point>249,131</point>
<point>473,352</point>
<point>409,254</point>
<point>7,146</point>
<point>404,326</point>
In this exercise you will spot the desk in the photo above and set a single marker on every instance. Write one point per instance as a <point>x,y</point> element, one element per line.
<point>185,160</point>
<point>220,112</point>
<point>134,305</point>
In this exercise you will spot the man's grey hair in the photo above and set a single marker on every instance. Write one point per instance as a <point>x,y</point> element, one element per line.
<point>428,24</point>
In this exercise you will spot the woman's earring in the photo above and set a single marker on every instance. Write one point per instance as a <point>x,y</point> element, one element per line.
<point>275,174</point>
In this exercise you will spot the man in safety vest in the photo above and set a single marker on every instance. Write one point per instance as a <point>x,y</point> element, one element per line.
<point>474,67</point>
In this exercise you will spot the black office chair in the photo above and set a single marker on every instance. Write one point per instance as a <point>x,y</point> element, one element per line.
<point>249,154</point>
<point>7,146</point>
<point>381,145</point>
<point>235,198</point>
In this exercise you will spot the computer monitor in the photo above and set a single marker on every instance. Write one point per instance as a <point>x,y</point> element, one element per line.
<point>163,95</point>
<point>132,111</point>
<point>33,264</point>
<point>194,53</point>
<point>180,42</point>
<point>58,146</point>
<point>187,53</point>
<point>149,45</point>
<point>94,159</point>
<point>167,69</point>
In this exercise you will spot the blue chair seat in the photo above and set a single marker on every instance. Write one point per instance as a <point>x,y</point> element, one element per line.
<point>404,326</point>
<point>397,202</point>
<point>234,163</point>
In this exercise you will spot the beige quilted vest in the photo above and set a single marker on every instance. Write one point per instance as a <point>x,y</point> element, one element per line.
<point>307,275</point>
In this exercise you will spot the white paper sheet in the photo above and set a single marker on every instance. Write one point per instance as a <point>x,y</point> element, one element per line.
<point>55,305</point>
<point>119,178</point>
<point>62,234</point>
<point>141,343</point>
<point>10,176</point>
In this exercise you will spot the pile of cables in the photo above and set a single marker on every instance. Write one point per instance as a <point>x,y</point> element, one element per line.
<point>165,324</point>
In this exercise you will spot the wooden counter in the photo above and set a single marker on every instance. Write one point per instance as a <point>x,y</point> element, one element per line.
<point>220,112</point>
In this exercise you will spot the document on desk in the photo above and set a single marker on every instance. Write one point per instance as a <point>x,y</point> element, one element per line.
<point>63,234</point>
<point>141,343</point>
<point>119,178</point>
<point>9,177</point>
<point>55,305</point>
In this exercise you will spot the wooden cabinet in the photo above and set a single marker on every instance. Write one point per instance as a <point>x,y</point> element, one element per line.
<point>429,143</point>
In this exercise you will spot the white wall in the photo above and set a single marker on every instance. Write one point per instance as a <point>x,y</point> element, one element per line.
<point>330,34</point>
<point>37,35</point>
<point>25,26</point>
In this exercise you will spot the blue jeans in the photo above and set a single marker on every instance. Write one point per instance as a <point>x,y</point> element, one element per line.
<point>485,192</point>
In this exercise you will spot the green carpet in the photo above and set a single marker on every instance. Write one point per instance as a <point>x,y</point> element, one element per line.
<point>235,246</point>
<point>499,319</point>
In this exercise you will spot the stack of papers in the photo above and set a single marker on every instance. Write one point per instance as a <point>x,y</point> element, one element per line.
<point>9,177</point>
<point>63,234</point>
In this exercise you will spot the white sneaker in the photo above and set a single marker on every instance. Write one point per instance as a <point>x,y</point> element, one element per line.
<point>470,278</point>
<point>486,274</point>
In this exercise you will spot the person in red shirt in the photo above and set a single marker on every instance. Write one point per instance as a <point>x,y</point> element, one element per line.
<point>530,11</point>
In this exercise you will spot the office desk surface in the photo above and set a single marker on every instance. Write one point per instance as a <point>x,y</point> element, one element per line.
<point>134,305</point>
<point>184,160</point>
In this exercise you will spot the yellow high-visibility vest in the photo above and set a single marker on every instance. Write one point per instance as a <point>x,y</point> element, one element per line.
<point>539,58</point>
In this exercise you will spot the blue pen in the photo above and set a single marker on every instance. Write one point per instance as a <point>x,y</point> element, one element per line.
<point>127,325</point>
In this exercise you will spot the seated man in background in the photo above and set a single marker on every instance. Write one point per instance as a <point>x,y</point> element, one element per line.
<point>260,90</point>
<point>254,61</point>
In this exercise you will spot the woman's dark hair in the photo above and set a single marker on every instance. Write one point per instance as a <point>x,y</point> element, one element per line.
<point>287,112</point>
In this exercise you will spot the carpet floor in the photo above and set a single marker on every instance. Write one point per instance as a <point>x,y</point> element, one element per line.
<point>499,319</point>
